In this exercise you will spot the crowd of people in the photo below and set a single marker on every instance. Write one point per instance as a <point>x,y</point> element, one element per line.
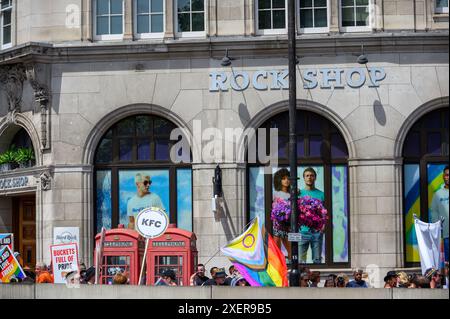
<point>431,279</point>
<point>308,279</point>
<point>42,274</point>
<point>218,277</point>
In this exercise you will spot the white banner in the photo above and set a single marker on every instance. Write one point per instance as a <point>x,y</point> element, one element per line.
<point>64,260</point>
<point>429,242</point>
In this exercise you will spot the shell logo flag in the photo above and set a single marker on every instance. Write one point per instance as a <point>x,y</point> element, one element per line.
<point>256,256</point>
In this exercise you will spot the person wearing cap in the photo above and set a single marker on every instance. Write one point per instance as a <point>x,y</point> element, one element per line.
<point>218,280</point>
<point>434,277</point>
<point>142,200</point>
<point>358,282</point>
<point>89,276</point>
<point>239,281</point>
<point>72,278</point>
<point>390,280</point>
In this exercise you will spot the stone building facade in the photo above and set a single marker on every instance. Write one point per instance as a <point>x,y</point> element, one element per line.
<point>67,85</point>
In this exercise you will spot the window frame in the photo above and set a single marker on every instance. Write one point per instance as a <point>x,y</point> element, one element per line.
<point>115,166</point>
<point>151,35</point>
<point>314,29</point>
<point>107,37</point>
<point>271,31</point>
<point>190,34</point>
<point>366,28</point>
<point>423,160</point>
<point>440,10</point>
<point>327,164</point>
<point>4,46</point>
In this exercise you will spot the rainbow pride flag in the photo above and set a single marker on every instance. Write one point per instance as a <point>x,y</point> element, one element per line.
<point>256,256</point>
<point>9,266</point>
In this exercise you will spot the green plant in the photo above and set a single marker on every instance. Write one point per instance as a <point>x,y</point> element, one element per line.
<point>8,156</point>
<point>23,155</point>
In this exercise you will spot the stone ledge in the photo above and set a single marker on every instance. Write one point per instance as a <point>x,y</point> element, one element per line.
<point>47,291</point>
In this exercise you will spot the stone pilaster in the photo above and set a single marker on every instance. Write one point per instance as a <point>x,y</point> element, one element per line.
<point>376,218</point>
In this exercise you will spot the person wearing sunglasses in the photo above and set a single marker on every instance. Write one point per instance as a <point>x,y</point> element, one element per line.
<point>142,200</point>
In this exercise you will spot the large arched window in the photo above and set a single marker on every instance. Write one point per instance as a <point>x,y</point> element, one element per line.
<point>133,170</point>
<point>321,146</point>
<point>425,153</point>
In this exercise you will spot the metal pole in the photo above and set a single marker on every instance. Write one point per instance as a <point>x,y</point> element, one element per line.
<point>294,274</point>
<point>144,261</point>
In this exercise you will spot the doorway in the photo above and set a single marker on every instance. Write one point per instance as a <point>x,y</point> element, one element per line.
<point>24,213</point>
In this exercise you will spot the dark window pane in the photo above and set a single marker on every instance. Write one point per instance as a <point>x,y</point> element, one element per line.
<point>306,18</point>
<point>116,7</point>
<point>7,35</point>
<point>143,24</point>
<point>102,25</point>
<point>102,7</point>
<point>198,5</point>
<point>362,2</point>
<point>157,6</point>
<point>315,123</point>
<point>300,123</point>
<point>125,149</point>
<point>432,120</point>
<point>198,22</point>
<point>348,19</point>
<point>348,3</point>
<point>184,22</point>
<point>162,150</point>
<point>278,4</point>
<point>446,119</point>
<point>264,18</point>
<point>264,4</point>
<point>434,144</point>
<point>412,145</point>
<point>104,151</point>
<point>162,127</point>
<point>143,126</point>
<point>6,3</point>
<point>320,3</point>
<point>143,150</point>
<point>320,18</point>
<point>315,145</point>
<point>279,19</point>
<point>157,23</point>
<point>126,127</point>
<point>283,146</point>
<point>306,3</point>
<point>116,25</point>
<point>184,5</point>
<point>280,122</point>
<point>143,6</point>
<point>301,146</point>
<point>362,16</point>
<point>7,17</point>
<point>338,146</point>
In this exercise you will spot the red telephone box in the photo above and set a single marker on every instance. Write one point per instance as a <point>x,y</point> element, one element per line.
<point>176,250</point>
<point>123,251</point>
